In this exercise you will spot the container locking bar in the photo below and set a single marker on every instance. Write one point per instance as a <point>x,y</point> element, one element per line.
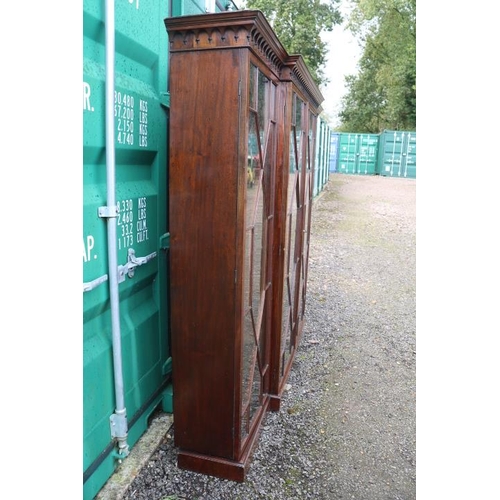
<point>133,261</point>
<point>90,285</point>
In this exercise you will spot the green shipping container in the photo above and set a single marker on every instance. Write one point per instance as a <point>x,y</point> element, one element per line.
<point>357,153</point>
<point>125,306</point>
<point>398,154</point>
<point>191,7</point>
<point>322,157</point>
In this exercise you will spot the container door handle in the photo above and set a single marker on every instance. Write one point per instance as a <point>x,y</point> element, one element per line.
<point>133,261</point>
<point>94,283</point>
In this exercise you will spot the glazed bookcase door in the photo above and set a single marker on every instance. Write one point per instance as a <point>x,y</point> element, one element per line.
<point>293,240</point>
<point>308,200</point>
<point>259,216</point>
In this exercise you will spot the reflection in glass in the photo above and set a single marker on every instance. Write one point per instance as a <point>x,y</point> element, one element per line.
<point>308,196</point>
<point>256,230</point>
<point>292,152</point>
<point>258,256</point>
<point>247,370</point>
<point>292,242</point>
<point>262,105</point>
<point>253,159</point>
<point>252,94</point>
<point>305,248</point>
<point>298,131</point>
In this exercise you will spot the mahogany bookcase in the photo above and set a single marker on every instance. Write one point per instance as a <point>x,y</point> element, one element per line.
<point>241,164</point>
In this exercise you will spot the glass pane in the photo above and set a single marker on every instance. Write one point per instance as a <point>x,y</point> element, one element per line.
<point>272,102</point>
<point>298,114</point>
<point>258,255</point>
<point>291,263</point>
<point>256,397</point>
<point>288,293</point>
<point>306,237</point>
<point>253,159</point>
<point>298,132</point>
<point>253,95</point>
<point>270,160</point>
<point>262,106</point>
<point>293,155</point>
<point>286,329</point>
<point>308,146</point>
<point>255,253</point>
<point>247,298</point>
<point>248,367</point>
<point>310,141</point>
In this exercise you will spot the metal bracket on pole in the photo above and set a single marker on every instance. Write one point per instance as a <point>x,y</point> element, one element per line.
<point>107,212</point>
<point>119,428</point>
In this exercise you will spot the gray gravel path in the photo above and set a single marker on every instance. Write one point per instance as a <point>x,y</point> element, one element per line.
<point>347,424</point>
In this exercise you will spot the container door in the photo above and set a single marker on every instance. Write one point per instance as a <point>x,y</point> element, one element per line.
<point>366,156</point>
<point>140,137</point>
<point>348,149</point>
<point>334,151</point>
<point>410,169</point>
<point>398,154</point>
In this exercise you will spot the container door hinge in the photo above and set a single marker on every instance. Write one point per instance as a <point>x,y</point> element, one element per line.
<point>133,261</point>
<point>119,428</point>
<point>90,285</point>
<point>165,99</point>
<point>165,241</point>
<point>167,366</point>
<point>168,399</point>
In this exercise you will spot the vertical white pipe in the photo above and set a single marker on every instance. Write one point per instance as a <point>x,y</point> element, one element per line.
<point>120,411</point>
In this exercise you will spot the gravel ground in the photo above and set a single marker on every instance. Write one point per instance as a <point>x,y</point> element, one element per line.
<point>347,424</point>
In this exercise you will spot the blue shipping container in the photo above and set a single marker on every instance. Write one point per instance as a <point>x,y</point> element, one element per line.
<point>334,150</point>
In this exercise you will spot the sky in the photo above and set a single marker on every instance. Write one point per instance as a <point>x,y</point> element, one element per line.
<point>342,59</point>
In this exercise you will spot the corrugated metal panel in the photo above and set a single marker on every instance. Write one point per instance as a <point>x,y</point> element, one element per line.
<point>189,7</point>
<point>334,151</point>
<point>141,44</point>
<point>358,153</point>
<point>398,154</point>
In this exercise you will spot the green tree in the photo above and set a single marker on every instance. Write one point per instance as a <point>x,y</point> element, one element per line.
<point>298,24</point>
<point>383,93</point>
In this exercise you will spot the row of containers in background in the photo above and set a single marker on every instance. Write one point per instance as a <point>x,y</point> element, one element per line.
<point>390,153</point>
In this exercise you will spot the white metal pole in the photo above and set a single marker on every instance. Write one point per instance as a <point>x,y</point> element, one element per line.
<point>118,420</point>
